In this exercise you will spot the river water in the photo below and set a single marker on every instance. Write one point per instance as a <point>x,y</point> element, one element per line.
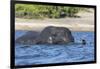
<point>46,54</point>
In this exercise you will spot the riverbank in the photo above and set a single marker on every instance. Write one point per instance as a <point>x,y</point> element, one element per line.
<point>84,23</point>
<point>39,26</point>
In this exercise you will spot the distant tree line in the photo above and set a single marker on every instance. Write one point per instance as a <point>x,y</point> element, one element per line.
<point>45,11</point>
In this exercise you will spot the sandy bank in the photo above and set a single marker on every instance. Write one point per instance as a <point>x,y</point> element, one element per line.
<point>39,26</point>
<point>84,23</point>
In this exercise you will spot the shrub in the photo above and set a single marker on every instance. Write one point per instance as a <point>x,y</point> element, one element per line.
<point>44,11</point>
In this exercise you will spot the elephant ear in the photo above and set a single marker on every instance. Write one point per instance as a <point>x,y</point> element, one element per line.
<point>69,35</point>
<point>46,32</point>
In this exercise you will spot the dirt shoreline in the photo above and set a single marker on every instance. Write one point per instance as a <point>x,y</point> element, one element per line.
<point>41,26</point>
<point>84,23</point>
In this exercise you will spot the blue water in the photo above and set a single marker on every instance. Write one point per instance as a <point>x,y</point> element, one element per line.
<point>46,54</point>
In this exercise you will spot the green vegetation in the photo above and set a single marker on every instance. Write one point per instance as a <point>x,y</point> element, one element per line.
<point>45,11</point>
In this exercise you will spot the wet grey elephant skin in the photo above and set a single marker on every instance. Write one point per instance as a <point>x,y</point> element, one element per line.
<point>50,35</point>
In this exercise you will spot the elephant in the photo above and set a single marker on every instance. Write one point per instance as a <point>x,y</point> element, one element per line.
<point>49,35</point>
<point>28,38</point>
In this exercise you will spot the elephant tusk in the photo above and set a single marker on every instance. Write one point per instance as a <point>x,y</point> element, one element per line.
<point>50,40</point>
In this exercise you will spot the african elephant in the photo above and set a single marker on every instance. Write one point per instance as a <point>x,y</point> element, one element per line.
<point>50,35</point>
